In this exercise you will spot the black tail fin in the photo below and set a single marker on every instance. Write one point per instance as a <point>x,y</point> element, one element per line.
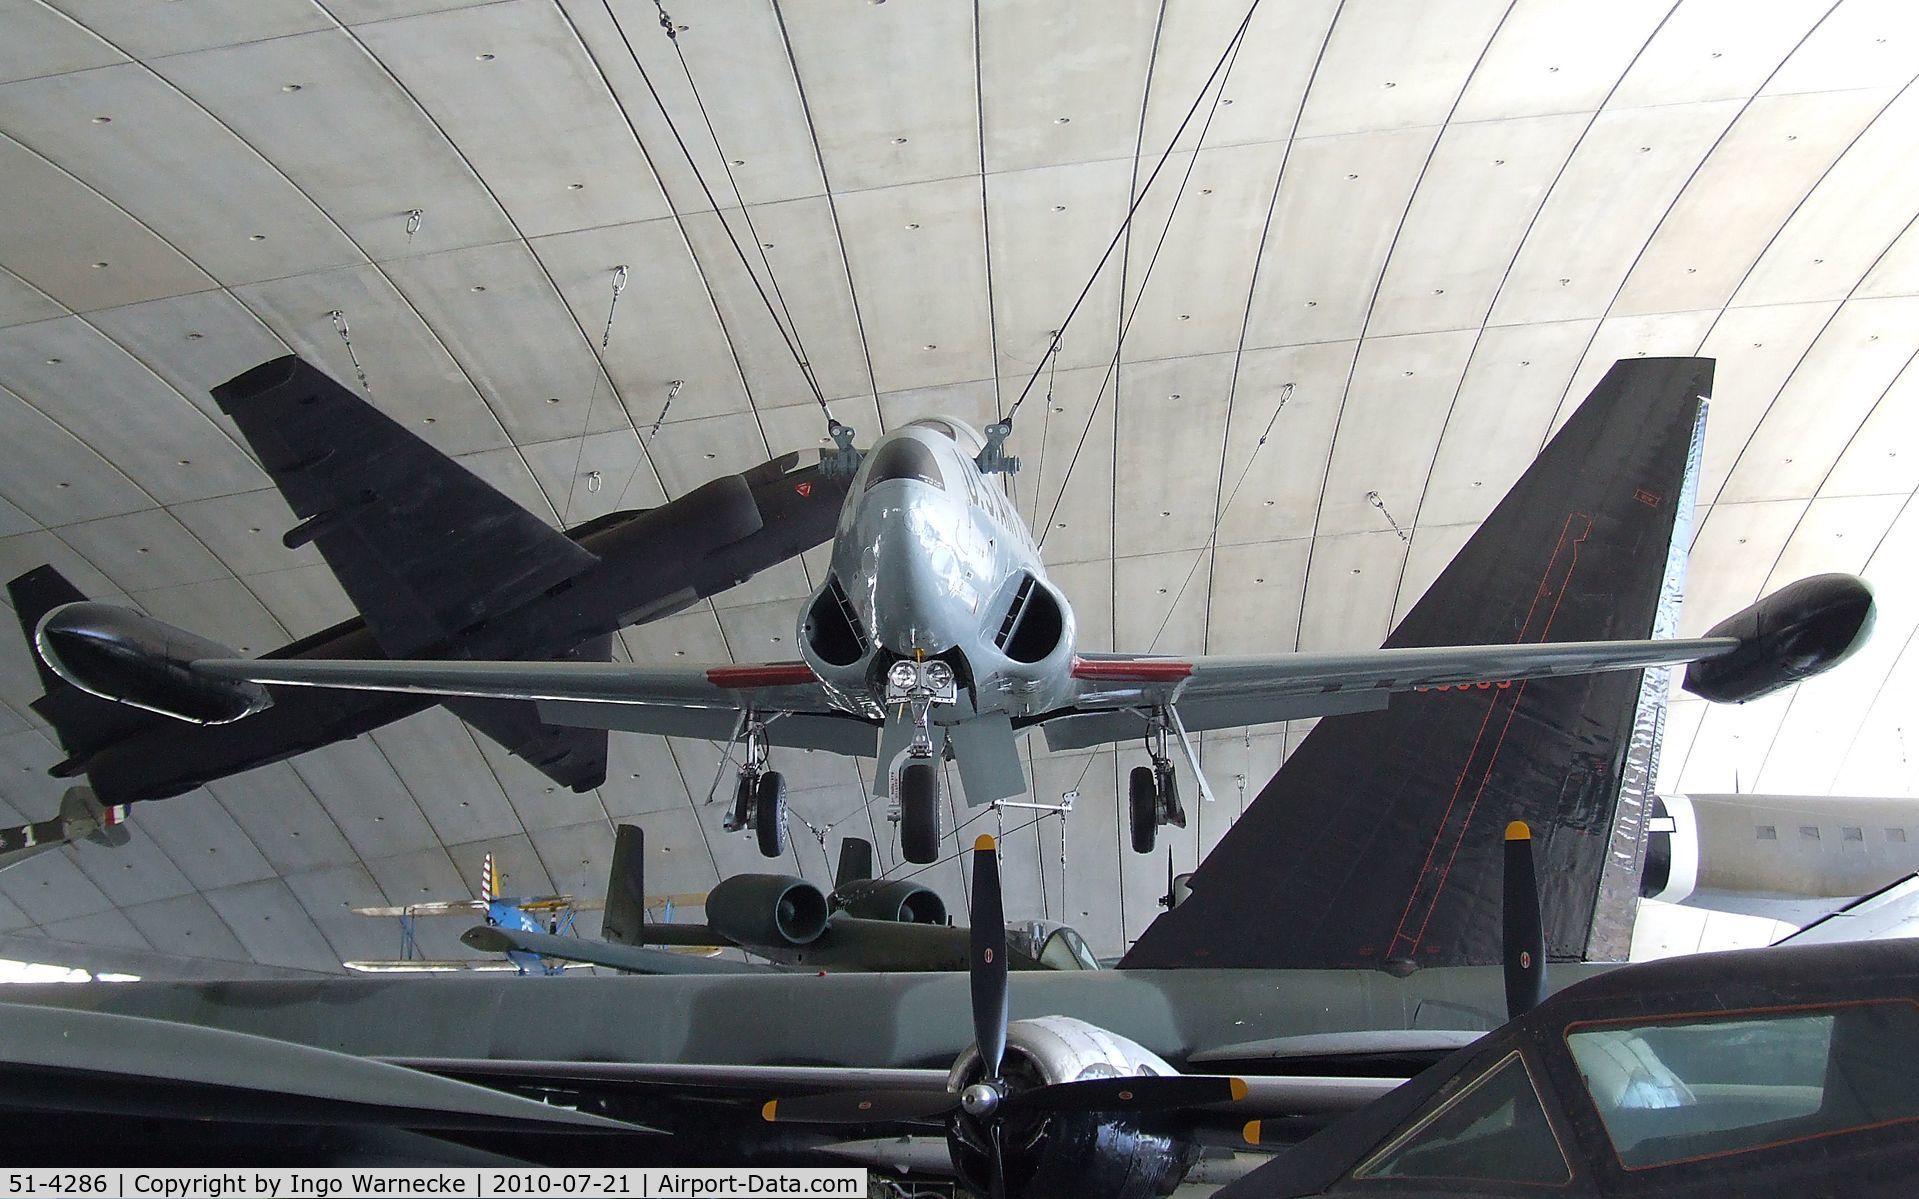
<point>626,887</point>
<point>856,862</point>
<point>84,723</point>
<point>1379,840</point>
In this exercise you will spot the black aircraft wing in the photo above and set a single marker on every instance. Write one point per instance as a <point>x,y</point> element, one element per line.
<point>1379,839</point>
<point>422,546</point>
<point>573,758</point>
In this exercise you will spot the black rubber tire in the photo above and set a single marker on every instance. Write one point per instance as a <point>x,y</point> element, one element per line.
<point>920,812</point>
<point>769,814</point>
<point>742,813</point>
<point>1142,804</point>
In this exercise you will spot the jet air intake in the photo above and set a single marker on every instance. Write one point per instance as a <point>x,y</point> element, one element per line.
<point>766,909</point>
<point>129,658</point>
<point>1794,633</point>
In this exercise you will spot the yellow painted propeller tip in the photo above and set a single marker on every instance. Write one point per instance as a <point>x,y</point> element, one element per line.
<point>1517,831</point>
<point>984,844</point>
<point>768,1110</point>
<point>1251,1132</point>
<point>1239,1088</point>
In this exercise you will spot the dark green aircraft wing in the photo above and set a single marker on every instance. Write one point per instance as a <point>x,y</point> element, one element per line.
<point>421,545</point>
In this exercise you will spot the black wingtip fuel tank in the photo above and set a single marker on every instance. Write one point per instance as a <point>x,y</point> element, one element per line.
<point>1794,633</point>
<point>130,658</point>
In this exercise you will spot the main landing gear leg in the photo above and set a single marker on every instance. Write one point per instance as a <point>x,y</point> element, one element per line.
<point>1152,792</point>
<point>759,798</point>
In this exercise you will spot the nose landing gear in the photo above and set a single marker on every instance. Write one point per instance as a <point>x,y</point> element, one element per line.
<point>759,798</point>
<point>1152,792</point>
<point>919,796</point>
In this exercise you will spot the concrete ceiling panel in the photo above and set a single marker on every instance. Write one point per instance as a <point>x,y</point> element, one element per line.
<point>283,819</point>
<point>577,857</point>
<point>786,583</point>
<point>1854,362</point>
<point>96,391</point>
<point>521,98</point>
<point>1883,457</point>
<point>538,802</point>
<point>1499,419</point>
<point>664,326</point>
<point>1397,64</point>
<point>135,873</point>
<point>1616,189</point>
<point>1865,43</point>
<point>142,551</point>
<point>323,111</point>
<point>1431,551</point>
<point>149,31</point>
<point>360,12</point>
<point>496,309</point>
<point>1350,585</point>
<point>891,91</point>
<point>1838,533</point>
<point>516,864</point>
<point>1755,351</point>
<point>109,929</point>
<point>762,633</point>
<point>1897,271</point>
<point>973,403</point>
<point>25,551</point>
<point>1475,201</point>
<point>736,56</point>
<point>1550,57</point>
<point>1095,905</point>
<point>1858,210</point>
<point>204,841</point>
<point>13,520</point>
<point>1341,201</point>
<point>689,637</point>
<point>1042,106</point>
<point>1255,596</point>
<point>223,609</point>
<point>81,249</point>
<point>329,895</point>
<point>1683,716</point>
<point>1049,228</point>
<point>1732,554</point>
<point>410,374</point>
<point>1172,419</point>
<point>1263,93</point>
<point>305,599</point>
<point>49,890</point>
<point>1747,188</point>
<point>1278,441</point>
<point>188,926</point>
<point>677,860</point>
<point>1715,50</point>
<point>436,755</point>
<point>53,475</point>
<point>1069,474</point>
<point>798,242</point>
<point>243,531</point>
<point>153,132</point>
<point>44,41</point>
<point>357,785</point>
<point>194,342</point>
<point>643,778</point>
<point>917,259</point>
<point>1878,761</point>
<point>25,756</point>
<point>688,453</point>
<point>1193,299</point>
<point>1170,615</point>
<point>426,875</point>
<point>1088,586</point>
<point>1726,754</point>
<point>592,476</point>
<point>1670,334</point>
<point>22,303</point>
<point>271,925</point>
<point>1389,430</point>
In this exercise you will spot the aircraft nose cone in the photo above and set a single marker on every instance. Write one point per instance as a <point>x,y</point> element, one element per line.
<point>920,589</point>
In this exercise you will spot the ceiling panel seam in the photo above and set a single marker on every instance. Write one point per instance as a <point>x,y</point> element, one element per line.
<point>1852,746</point>
<point>1505,277</point>
<point>1372,303</point>
<point>1745,106</point>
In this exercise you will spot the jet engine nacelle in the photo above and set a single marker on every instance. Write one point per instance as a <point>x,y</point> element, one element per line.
<point>1073,1153</point>
<point>891,899</point>
<point>1794,633</point>
<point>122,655</point>
<point>767,909</point>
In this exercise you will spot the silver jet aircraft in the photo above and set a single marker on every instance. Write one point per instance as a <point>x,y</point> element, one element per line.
<point>936,634</point>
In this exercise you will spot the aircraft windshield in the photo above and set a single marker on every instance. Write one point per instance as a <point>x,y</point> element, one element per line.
<point>1053,946</point>
<point>904,458</point>
<point>1492,1131</point>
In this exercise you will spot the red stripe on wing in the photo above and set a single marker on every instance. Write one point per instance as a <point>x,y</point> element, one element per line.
<point>765,674</point>
<point>1134,670</point>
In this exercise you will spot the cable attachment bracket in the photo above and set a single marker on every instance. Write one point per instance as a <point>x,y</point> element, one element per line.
<point>339,323</point>
<point>993,458</point>
<point>842,460</point>
<point>666,22</point>
<point>619,286</point>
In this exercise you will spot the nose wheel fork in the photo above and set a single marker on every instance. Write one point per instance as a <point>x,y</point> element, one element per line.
<point>759,798</point>
<point>1153,791</point>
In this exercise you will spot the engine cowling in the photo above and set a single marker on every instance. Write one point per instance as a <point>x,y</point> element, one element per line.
<point>1794,633</point>
<point>891,899</point>
<point>130,658</point>
<point>1073,1153</point>
<point>767,909</point>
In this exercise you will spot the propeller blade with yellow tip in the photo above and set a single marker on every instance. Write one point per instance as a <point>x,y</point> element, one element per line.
<point>1523,933</point>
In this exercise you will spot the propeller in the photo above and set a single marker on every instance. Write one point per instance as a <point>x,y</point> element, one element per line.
<point>1522,932</point>
<point>982,1108</point>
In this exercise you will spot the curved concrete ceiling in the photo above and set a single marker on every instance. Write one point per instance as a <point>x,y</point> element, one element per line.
<point>1440,220</point>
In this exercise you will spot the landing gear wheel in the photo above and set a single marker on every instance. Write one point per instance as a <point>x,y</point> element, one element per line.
<point>742,812</point>
<point>920,811</point>
<point>1142,803</point>
<point>769,813</point>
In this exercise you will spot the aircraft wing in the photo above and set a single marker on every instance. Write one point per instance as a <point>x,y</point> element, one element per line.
<point>632,959</point>
<point>1215,692</point>
<point>421,545</point>
<point>676,701</point>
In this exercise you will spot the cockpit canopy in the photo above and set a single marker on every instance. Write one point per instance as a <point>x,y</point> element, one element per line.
<point>903,458</point>
<point>1054,946</point>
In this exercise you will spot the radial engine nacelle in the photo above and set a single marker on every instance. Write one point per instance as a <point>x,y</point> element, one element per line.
<point>122,655</point>
<point>1796,632</point>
